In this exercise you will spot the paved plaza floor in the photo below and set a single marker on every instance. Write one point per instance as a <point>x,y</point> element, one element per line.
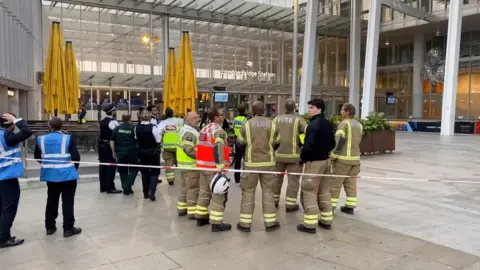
<point>399,224</point>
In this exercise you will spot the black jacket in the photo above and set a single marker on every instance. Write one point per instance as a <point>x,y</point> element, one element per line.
<point>72,150</point>
<point>319,140</point>
<point>12,138</point>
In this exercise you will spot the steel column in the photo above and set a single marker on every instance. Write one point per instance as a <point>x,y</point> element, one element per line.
<point>308,54</point>
<point>354,55</point>
<point>451,68</point>
<point>418,62</point>
<point>370,71</point>
<point>295,49</point>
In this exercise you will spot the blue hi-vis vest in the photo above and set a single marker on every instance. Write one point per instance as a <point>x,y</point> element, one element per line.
<point>56,165</point>
<point>9,167</point>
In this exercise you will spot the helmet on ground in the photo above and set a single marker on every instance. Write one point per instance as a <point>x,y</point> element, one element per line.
<point>220,184</point>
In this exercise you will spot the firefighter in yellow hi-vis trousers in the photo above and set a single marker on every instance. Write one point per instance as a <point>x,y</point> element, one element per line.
<point>315,190</point>
<point>186,158</point>
<point>346,159</point>
<point>169,129</point>
<point>287,156</point>
<point>260,138</point>
<point>212,153</point>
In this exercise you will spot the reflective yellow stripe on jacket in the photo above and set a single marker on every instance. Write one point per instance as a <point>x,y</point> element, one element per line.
<point>249,161</point>
<point>348,152</point>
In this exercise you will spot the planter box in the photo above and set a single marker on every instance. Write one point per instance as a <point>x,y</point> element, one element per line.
<point>379,141</point>
<point>366,145</point>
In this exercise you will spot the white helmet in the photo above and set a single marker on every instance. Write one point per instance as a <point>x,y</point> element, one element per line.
<point>220,184</point>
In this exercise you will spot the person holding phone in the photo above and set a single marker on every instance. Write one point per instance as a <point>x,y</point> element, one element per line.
<point>11,168</point>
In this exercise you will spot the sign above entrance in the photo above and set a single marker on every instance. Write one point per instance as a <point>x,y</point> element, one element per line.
<point>248,73</point>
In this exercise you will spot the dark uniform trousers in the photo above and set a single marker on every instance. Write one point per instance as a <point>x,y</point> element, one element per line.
<point>205,198</point>
<point>349,183</point>
<point>106,173</point>
<point>9,198</point>
<point>238,156</point>
<point>315,194</point>
<point>189,190</point>
<point>249,183</point>
<point>150,175</point>
<point>67,191</point>
<point>128,174</point>
<point>293,183</point>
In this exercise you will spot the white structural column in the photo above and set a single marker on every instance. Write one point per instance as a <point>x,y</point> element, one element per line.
<point>451,68</point>
<point>355,45</point>
<point>418,62</point>
<point>370,72</point>
<point>166,41</point>
<point>308,55</point>
<point>316,63</point>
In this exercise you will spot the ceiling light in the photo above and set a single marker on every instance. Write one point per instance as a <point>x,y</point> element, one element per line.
<point>387,43</point>
<point>146,38</point>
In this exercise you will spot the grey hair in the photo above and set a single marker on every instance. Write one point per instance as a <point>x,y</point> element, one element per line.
<point>350,109</point>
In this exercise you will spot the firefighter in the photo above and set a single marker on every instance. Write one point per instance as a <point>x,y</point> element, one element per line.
<point>124,146</point>
<point>238,122</point>
<point>287,156</point>
<point>346,159</point>
<point>315,155</point>
<point>212,153</point>
<point>186,158</point>
<point>169,129</point>
<point>259,138</point>
<point>149,145</point>
<point>105,154</point>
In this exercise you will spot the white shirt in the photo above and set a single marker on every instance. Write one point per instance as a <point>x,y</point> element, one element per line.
<point>113,124</point>
<point>169,121</point>
<point>154,121</point>
<point>155,131</point>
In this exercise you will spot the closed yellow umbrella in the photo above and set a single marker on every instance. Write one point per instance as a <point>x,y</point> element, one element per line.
<point>178,105</point>
<point>72,81</point>
<point>169,82</point>
<point>190,90</point>
<point>54,79</point>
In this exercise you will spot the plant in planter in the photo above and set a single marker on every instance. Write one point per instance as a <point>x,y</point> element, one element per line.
<point>378,134</point>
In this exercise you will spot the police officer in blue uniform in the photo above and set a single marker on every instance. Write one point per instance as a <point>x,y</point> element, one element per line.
<point>105,154</point>
<point>11,168</point>
<point>54,151</point>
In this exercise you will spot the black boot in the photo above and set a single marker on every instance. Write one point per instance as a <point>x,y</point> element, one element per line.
<point>202,222</point>
<point>182,214</point>
<point>73,231</point>
<point>51,231</point>
<point>302,228</point>
<point>192,218</point>
<point>276,204</point>
<point>171,183</point>
<point>324,226</point>
<point>11,242</point>
<point>291,210</point>
<point>221,227</point>
<point>114,191</point>
<point>241,228</point>
<point>347,210</point>
<point>274,227</point>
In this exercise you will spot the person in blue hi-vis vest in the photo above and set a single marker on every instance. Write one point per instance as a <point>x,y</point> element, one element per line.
<point>55,151</point>
<point>11,168</point>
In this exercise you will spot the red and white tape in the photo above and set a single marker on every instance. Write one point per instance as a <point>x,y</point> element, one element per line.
<point>252,171</point>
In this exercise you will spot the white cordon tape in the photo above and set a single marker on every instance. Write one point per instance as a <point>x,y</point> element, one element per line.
<point>251,171</point>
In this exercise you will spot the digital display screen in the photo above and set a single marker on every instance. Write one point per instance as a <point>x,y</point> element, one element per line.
<point>391,99</point>
<point>221,97</point>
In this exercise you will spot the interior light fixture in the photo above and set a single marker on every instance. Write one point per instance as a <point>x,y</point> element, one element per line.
<point>146,38</point>
<point>387,42</point>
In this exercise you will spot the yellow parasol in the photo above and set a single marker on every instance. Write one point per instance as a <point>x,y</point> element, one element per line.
<point>72,80</point>
<point>185,80</point>
<point>169,82</point>
<point>54,84</point>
